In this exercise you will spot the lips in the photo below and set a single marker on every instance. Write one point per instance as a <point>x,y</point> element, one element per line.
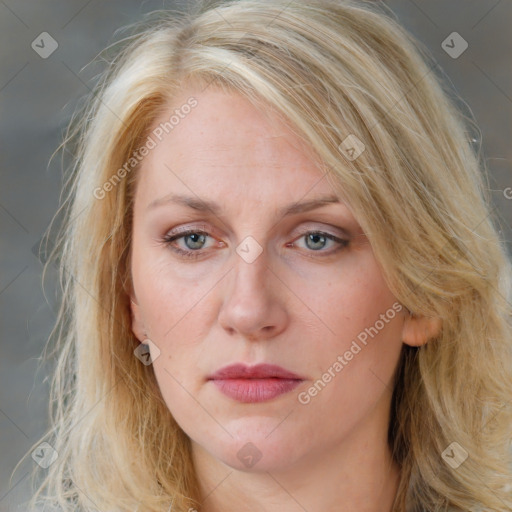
<point>251,384</point>
<point>260,371</point>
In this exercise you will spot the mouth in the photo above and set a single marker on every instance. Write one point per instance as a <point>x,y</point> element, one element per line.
<point>252,384</point>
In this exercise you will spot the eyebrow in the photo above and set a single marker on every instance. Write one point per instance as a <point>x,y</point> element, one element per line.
<point>204,205</point>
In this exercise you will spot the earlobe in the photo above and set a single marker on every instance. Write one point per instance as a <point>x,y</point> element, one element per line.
<point>137,323</point>
<point>418,329</point>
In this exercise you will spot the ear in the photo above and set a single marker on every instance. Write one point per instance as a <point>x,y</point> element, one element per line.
<point>138,327</point>
<point>418,329</point>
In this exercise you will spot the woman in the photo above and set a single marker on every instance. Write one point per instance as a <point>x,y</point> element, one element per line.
<point>283,289</point>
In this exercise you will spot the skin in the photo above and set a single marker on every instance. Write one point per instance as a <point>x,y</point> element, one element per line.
<point>299,306</point>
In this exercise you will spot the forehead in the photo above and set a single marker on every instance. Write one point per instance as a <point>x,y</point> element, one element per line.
<point>225,143</point>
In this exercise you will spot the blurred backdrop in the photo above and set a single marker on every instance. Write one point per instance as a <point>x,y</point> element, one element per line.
<point>45,48</point>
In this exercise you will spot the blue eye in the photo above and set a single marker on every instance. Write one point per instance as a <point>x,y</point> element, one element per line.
<point>195,241</point>
<point>318,240</point>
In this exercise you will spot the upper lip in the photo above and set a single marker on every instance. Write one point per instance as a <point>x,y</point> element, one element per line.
<point>259,371</point>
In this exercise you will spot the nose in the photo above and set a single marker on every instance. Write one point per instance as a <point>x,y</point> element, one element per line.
<point>253,306</point>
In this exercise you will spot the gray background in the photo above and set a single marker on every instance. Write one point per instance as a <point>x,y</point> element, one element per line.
<point>37,97</point>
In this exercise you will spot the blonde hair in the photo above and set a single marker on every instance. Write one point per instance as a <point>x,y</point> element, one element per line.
<point>332,69</point>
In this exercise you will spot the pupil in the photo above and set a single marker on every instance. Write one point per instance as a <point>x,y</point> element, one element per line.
<point>195,236</point>
<point>315,238</point>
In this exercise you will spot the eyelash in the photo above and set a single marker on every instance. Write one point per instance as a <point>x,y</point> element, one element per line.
<point>190,254</point>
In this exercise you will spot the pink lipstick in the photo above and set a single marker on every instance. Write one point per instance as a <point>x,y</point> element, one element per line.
<point>251,384</point>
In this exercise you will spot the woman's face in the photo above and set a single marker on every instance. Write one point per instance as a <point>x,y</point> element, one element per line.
<point>267,277</point>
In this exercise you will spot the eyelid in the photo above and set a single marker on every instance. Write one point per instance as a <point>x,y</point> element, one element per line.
<point>196,228</point>
<point>337,231</point>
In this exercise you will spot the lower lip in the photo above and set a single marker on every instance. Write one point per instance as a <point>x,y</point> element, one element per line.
<point>255,390</point>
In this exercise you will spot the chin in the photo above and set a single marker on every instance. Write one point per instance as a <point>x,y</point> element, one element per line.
<point>254,450</point>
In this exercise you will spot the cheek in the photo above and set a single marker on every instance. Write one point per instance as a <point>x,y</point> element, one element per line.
<point>352,374</point>
<point>180,391</point>
<point>365,325</point>
<point>176,313</point>
<point>171,303</point>
<point>351,298</point>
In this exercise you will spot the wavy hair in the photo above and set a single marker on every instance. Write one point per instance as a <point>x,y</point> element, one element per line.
<point>332,69</point>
